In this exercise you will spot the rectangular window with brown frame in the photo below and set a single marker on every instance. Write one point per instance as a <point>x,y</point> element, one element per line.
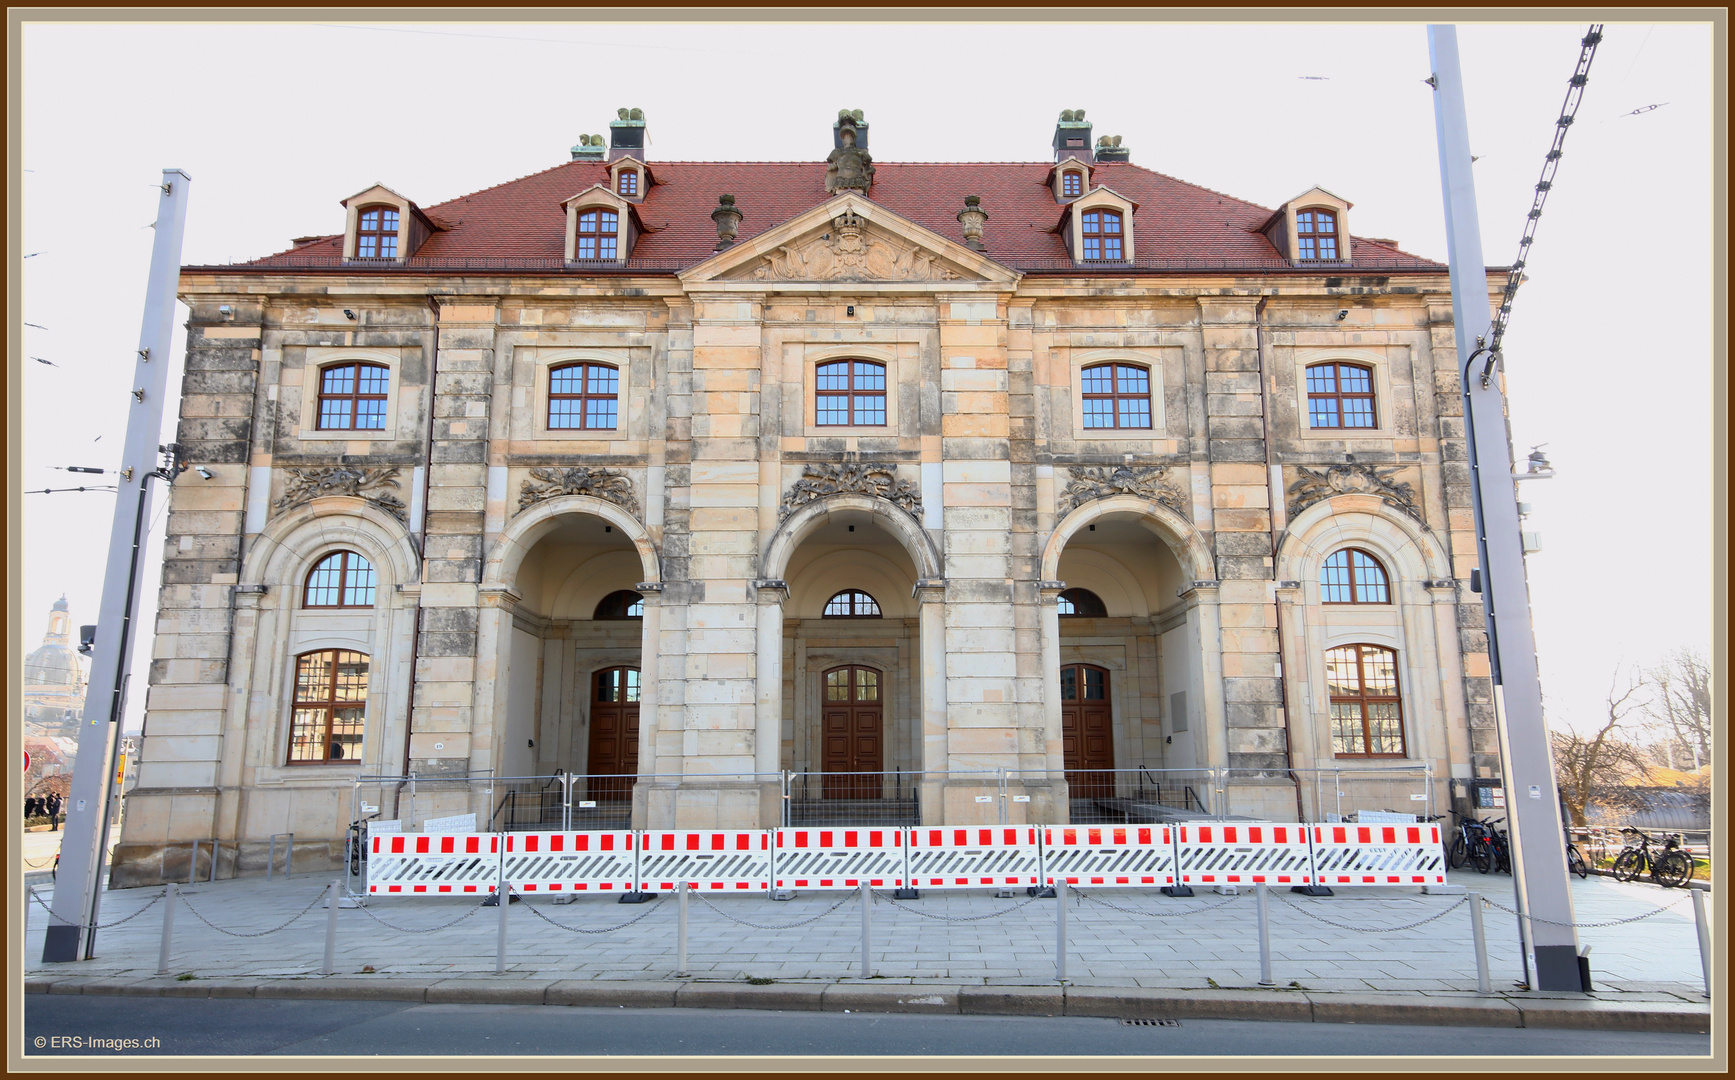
<point>330,707</point>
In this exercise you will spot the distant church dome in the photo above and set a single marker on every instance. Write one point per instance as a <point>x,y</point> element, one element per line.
<point>55,662</point>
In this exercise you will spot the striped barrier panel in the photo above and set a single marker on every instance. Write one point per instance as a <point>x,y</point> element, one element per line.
<point>571,861</point>
<point>1378,855</point>
<point>736,860</point>
<point>813,858</point>
<point>450,863</point>
<point>956,856</point>
<point>1128,855</point>
<point>1239,853</point>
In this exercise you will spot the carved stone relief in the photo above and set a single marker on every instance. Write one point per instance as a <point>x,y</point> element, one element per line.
<point>1103,481</point>
<point>1315,485</point>
<point>303,485</point>
<point>549,483</point>
<point>851,478</point>
<point>850,252</point>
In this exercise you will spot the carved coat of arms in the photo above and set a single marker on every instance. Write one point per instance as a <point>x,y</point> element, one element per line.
<point>1315,485</point>
<point>851,478</point>
<point>548,483</point>
<point>850,252</point>
<point>303,485</point>
<point>1103,481</point>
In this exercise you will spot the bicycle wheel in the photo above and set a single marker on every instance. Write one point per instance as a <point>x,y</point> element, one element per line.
<point>1575,862</point>
<point>1674,870</point>
<point>1458,855</point>
<point>1482,857</point>
<point>1628,865</point>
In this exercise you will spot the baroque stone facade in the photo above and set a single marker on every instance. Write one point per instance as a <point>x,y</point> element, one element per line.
<point>741,434</point>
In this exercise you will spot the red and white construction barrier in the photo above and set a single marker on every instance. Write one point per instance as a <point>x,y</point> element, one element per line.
<point>572,862</point>
<point>708,860</point>
<point>1378,855</point>
<point>816,858</point>
<point>451,863</point>
<point>1126,855</point>
<point>956,856</point>
<point>1235,853</point>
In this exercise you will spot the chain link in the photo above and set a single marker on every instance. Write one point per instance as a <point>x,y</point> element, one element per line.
<point>880,897</point>
<point>99,926</point>
<point>1194,910</point>
<point>1442,913</point>
<point>35,866</point>
<point>233,933</point>
<point>419,930</point>
<point>763,926</point>
<point>582,930</point>
<point>1588,925</point>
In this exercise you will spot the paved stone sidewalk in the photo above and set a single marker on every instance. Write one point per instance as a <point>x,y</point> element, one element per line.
<point>1144,940</point>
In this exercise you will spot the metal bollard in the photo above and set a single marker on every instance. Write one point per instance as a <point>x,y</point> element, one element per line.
<point>1265,978</point>
<point>1059,929</point>
<point>1704,928</point>
<point>681,936</point>
<point>288,854</point>
<point>1483,984</point>
<point>505,902</point>
<point>331,928</point>
<point>193,867</point>
<point>168,929</point>
<point>271,857</point>
<point>867,911</point>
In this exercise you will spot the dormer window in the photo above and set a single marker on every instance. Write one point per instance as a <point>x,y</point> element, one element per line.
<point>628,183</point>
<point>1315,234</point>
<point>1102,234</point>
<point>377,233</point>
<point>597,231</point>
<point>1071,184</point>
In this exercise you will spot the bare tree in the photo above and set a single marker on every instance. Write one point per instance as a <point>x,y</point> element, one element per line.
<point>1681,711</point>
<point>1593,770</point>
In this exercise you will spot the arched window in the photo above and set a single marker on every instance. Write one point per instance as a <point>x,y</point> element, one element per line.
<point>1081,604</point>
<point>1071,184</point>
<point>852,604</point>
<point>628,184</point>
<point>330,706</point>
<point>352,397</point>
<point>1116,396</point>
<point>1102,234</point>
<point>624,604</point>
<point>376,233</point>
<point>1340,396</point>
<point>1352,576</point>
<point>583,396</point>
<point>596,234</point>
<point>850,393</point>
<point>1315,234</point>
<point>1366,716</point>
<point>342,579</point>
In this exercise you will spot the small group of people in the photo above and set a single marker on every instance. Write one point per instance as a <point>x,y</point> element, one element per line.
<point>47,806</point>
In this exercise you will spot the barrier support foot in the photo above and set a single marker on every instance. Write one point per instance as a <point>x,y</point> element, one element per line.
<point>783,894</point>
<point>636,898</point>
<point>493,899</point>
<point>1312,890</point>
<point>1044,891</point>
<point>1177,890</point>
<point>906,894</point>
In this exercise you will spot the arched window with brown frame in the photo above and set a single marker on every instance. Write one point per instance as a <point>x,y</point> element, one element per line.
<point>1071,184</point>
<point>596,234</point>
<point>330,707</point>
<point>353,397</point>
<point>1352,576</point>
<point>852,604</point>
<point>1081,604</point>
<point>1315,234</point>
<point>1367,717</point>
<point>621,604</point>
<point>1102,233</point>
<point>1116,396</point>
<point>1341,396</point>
<point>376,232</point>
<point>850,393</point>
<point>342,579</point>
<point>583,396</point>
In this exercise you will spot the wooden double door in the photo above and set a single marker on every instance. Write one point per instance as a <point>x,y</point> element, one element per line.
<point>1087,730</point>
<point>614,734</point>
<point>852,731</point>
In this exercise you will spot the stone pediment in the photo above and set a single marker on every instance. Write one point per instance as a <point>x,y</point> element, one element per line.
<point>849,239</point>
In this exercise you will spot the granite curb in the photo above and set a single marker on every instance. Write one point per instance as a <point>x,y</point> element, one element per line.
<point>940,998</point>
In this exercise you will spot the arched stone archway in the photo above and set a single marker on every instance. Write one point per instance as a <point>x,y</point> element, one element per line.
<point>521,534</point>
<point>888,515</point>
<point>1184,541</point>
<point>292,538</point>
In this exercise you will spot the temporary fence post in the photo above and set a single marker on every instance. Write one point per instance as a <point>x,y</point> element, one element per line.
<point>867,908</point>
<point>681,936</point>
<point>1483,985</point>
<point>1704,929</point>
<point>504,899</point>
<point>168,929</point>
<point>1265,978</point>
<point>331,928</point>
<point>1060,929</point>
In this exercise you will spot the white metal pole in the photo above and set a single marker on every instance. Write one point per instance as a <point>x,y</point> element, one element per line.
<point>681,936</point>
<point>867,910</point>
<point>1483,984</point>
<point>168,929</point>
<point>1265,978</point>
<point>1704,928</point>
<point>331,928</point>
<point>503,896</point>
<point>1538,852</point>
<point>83,848</point>
<point>1060,929</point>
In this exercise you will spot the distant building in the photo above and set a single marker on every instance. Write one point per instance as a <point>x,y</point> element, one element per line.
<point>54,680</point>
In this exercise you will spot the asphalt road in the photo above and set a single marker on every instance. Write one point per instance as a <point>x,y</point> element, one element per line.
<point>244,1026</point>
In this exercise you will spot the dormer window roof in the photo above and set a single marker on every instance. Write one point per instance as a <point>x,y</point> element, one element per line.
<point>629,178</point>
<point>1098,226</point>
<point>381,224</point>
<point>1311,228</point>
<point>1070,178</point>
<point>601,226</point>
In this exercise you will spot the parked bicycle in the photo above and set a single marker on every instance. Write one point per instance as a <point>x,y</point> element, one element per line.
<point>1575,862</point>
<point>1472,845</point>
<point>1671,867</point>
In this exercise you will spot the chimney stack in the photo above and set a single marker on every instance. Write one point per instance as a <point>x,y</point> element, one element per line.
<point>1108,148</point>
<point>1072,136</point>
<point>626,136</point>
<point>589,148</point>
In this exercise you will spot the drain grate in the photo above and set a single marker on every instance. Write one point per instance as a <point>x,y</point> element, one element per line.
<point>1145,1021</point>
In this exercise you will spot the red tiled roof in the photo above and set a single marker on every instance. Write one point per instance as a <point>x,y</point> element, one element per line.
<point>1175,220</point>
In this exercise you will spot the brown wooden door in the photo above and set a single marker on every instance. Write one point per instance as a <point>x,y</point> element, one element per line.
<point>614,734</point>
<point>852,732</point>
<point>1086,730</point>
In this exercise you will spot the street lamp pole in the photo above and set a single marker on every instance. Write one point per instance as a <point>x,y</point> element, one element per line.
<point>1538,852</point>
<point>71,931</point>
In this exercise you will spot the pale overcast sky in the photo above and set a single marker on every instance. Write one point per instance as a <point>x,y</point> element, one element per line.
<point>1609,350</point>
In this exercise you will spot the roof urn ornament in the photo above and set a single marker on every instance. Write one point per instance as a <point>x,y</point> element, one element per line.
<point>849,167</point>
<point>972,217</point>
<point>728,220</point>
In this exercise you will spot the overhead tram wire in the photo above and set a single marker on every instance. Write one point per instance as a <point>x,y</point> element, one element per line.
<point>1550,164</point>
